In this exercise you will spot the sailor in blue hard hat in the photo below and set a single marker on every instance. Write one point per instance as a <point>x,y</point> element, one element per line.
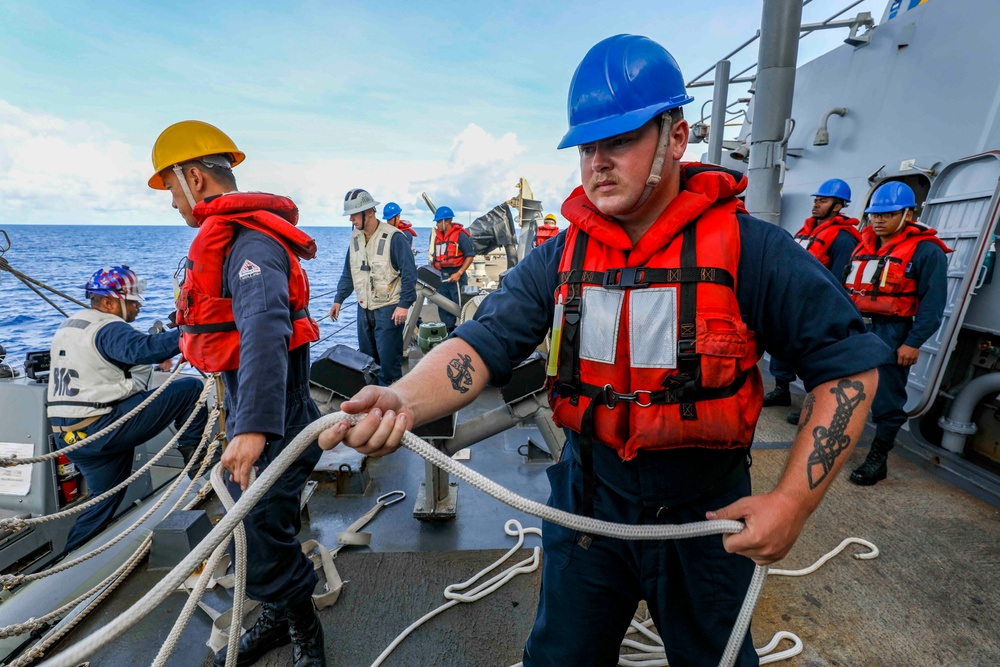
<point>829,236</point>
<point>666,292</point>
<point>898,279</point>
<point>453,255</point>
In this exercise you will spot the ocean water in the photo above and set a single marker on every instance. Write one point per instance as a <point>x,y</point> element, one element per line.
<point>65,256</point>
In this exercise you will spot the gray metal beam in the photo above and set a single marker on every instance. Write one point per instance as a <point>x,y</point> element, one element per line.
<point>720,95</point>
<point>779,44</point>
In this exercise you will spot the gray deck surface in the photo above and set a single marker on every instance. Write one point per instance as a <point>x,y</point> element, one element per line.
<point>931,598</point>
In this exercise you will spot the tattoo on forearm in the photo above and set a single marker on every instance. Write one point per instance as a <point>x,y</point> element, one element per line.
<point>807,410</point>
<point>460,373</point>
<point>828,443</point>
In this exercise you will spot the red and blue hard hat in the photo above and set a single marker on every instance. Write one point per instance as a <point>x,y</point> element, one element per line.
<point>119,282</point>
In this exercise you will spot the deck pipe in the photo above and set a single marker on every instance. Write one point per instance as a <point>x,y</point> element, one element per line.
<point>958,424</point>
<point>720,100</point>
<point>781,21</point>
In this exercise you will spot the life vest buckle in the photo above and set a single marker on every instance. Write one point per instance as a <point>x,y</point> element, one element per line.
<point>627,278</point>
<point>642,398</point>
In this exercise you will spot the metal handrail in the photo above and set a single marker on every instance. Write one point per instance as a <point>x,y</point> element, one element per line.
<point>695,82</point>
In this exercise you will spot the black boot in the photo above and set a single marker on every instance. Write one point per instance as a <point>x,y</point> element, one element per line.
<point>269,632</point>
<point>780,396</point>
<point>307,635</point>
<point>874,468</point>
<point>793,418</point>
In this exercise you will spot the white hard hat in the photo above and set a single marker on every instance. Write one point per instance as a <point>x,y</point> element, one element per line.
<point>358,200</point>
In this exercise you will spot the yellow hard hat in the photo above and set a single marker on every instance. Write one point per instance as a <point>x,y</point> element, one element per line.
<point>551,217</point>
<point>189,140</point>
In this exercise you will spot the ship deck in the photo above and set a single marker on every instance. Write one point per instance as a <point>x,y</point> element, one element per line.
<point>931,598</point>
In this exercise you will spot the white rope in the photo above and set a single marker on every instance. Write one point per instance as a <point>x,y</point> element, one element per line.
<point>16,461</point>
<point>33,624</point>
<point>87,646</point>
<point>11,580</point>
<point>653,654</point>
<point>17,523</point>
<point>512,528</point>
<point>239,590</point>
<point>110,583</point>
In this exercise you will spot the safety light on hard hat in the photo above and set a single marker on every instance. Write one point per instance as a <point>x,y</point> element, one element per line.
<point>358,200</point>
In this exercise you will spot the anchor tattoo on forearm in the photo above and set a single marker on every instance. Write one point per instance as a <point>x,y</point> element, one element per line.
<point>828,443</point>
<point>460,373</point>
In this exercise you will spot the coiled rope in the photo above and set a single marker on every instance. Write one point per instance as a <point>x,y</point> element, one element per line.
<point>6,462</point>
<point>17,523</point>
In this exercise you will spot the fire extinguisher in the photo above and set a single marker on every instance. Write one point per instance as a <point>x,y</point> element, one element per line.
<point>67,473</point>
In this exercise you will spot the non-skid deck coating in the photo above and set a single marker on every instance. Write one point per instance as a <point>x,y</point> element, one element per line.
<point>931,598</point>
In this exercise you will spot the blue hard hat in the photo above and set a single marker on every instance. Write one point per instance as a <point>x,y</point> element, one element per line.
<point>835,188</point>
<point>391,210</point>
<point>893,196</point>
<point>119,282</point>
<point>443,213</point>
<point>623,82</point>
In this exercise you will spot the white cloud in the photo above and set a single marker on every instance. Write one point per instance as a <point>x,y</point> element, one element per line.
<point>50,165</point>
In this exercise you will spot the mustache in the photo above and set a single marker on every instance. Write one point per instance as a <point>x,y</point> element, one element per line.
<point>604,180</point>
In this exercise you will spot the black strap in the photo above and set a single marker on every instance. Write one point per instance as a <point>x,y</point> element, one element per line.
<point>688,393</point>
<point>637,277</point>
<point>569,356</point>
<point>688,362</point>
<point>587,460</point>
<point>220,327</point>
<point>82,404</point>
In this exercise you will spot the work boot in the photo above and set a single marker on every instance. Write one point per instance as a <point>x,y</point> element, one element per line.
<point>874,468</point>
<point>269,632</point>
<point>779,396</point>
<point>794,417</point>
<point>307,635</point>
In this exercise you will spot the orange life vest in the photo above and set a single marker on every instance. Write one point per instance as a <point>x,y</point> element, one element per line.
<point>405,226</point>
<point>877,281</point>
<point>544,233</point>
<point>817,239</point>
<point>654,353</point>
<point>446,252</point>
<point>209,339</point>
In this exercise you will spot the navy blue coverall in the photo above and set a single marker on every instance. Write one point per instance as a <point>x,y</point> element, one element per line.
<point>840,255</point>
<point>269,393</point>
<point>591,585</point>
<point>107,462</point>
<point>452,290</point>
<point>378,336</point>
<point>929,268</point>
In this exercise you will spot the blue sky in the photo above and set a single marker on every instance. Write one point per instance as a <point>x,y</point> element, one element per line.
<point>457,99</point>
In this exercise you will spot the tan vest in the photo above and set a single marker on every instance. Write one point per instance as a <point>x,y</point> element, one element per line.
<point>376,283</point>
<point>82,382</point>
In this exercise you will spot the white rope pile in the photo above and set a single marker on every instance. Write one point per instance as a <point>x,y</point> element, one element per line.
<point>7,462</point>
<point>108,585</point>
<point>17,523</point>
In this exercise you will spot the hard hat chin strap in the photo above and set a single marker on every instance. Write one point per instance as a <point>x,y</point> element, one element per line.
<point>124,313</point>
<point>184,185</point>
<point>659,157</point>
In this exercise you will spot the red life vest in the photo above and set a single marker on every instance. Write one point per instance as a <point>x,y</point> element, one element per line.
<point>817,239</point>
<point>405,226</point>
<point>446,252</point>
<point>654,350</point>
<point>209,339</point>
<point>877,281</point>
<point>544,233</point>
